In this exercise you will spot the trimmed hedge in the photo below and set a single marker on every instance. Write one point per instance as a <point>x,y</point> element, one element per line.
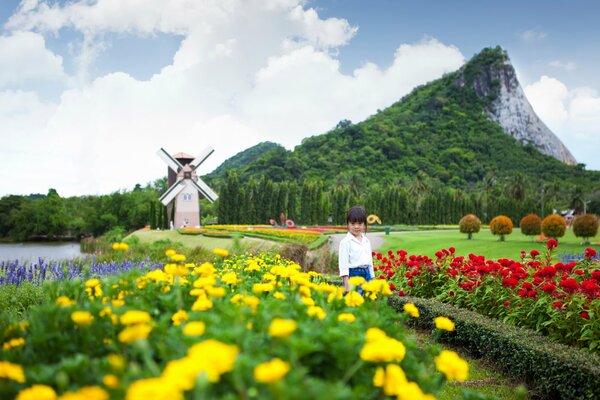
<point>552,370</point>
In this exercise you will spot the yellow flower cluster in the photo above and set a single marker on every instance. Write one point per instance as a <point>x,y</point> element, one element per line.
<point>11,371</point>
<point>86,393</point>
<point>120,246</point>
<point>93,288</point>
<point>394,383</point>
<point>271,371</point>
<point>37,392</point>
<point>281,328</point>
<point>220,252</point>
<point>137,326</point>
<point>64,301</point>
<point>179,317</point>
<point>379,347</point>
<point>451,365</point>
<point>412,310</point>
<point>444,323</point>
<point>13,343</point>
<point>82,318</point>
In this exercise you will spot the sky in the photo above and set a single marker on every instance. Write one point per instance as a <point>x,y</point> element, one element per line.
<point>91,89</point>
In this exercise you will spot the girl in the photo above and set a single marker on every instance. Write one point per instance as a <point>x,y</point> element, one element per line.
<point>355,257</point>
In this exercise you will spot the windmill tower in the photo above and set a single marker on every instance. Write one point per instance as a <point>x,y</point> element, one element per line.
<point>184,187</point>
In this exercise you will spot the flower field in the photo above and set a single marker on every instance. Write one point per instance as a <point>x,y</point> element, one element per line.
<point>561,300</point>
<point>250,326</point>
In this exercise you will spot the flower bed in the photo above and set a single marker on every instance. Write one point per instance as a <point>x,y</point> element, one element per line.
<point>559,300</point>
<point>246,326</point>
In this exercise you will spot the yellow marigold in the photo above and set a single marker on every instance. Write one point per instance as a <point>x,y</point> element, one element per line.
<point>178,258</point>
<point>304,291</point>
<point>282,328</point>
<point>412,391</point>
<point>381,348</point>
<point>12,371</point>
<point>117,303</point>
<point>202,303</point>
<point>205,269</point>
<point>230,278</point>
<point>391,379</point>
<point>116,362</point>
<point>377,286</point>
<point>216,292</point>
<point>159,275</point>
<point>356,280</point>
<point>133,317</point>
<point>37,392</point>
<point>269,277</point>
<point>179,317</point>
<point>260,288</point>
<point>220,252</point>
<point>82,318</point>
<point>92,283</point>
<point>317,312</point>
<point>237,298</point>
<point>169,253</point>
<point>412,310</point>
<point>64,301</point>
<point>251,301</point>
<point>194,328</point>
<point>153,388</point>
<point>110,381</point>
<point>205,282</point>
<point>308,301</point>
<point>86,393</point>
<point>354,299</point>
<point>347,317</point>
<point>444,324</point>
<point>134,333</point>
<point>271,371</point>
<point>13,343</point>
<point>279,296</point>
<point>451,365</point>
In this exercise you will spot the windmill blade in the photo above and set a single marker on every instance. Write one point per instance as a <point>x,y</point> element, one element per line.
<point>201,157</point>
<point>205,190</point>
<point>173,191</point>
<point>171,162</point>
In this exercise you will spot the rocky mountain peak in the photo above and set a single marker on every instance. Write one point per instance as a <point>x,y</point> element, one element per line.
<point>492,77</point>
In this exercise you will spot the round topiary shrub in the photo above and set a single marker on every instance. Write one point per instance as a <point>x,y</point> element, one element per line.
<point>469,224</point>
<point>501,225</point>
<point>585,226</point>
<point>531,225</point>
<point>554,226</point>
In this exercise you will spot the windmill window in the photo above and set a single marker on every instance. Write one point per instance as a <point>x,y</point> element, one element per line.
<point>187,196</point>
<point>187,175</point>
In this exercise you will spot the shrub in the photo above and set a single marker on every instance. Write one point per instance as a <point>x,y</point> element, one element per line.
<point>554,226</point>
<point>469,224</point>
<point>585,226</point>
<point>531,225</point>
<point>501,225</point>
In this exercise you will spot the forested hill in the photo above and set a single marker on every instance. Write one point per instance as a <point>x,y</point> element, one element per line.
<point>441,133</point>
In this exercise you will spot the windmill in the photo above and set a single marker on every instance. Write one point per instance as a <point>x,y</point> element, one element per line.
<point>184,187</point>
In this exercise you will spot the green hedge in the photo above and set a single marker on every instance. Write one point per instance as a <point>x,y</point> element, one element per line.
<point>551,370</point>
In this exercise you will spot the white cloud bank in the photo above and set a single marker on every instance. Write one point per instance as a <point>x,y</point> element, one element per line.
<point>245,72</point>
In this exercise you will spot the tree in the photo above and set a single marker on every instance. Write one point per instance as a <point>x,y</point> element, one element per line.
<point>469,224</point>
<point>501,225</point>
<point>554,226</point>
<point>585,226</point>
<point>531,225</point>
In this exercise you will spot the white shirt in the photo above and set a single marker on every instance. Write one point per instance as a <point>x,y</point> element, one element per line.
<point>355,253</point>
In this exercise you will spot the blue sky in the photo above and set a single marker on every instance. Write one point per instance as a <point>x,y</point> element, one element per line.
<point>91,89</point>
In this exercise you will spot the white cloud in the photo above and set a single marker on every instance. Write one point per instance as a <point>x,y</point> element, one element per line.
<point>532,35</point>
<point>24,59</point>
<point>568,66</point>
<point>572,114</point>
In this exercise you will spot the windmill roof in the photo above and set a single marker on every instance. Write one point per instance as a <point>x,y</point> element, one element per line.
<point>183,155</point>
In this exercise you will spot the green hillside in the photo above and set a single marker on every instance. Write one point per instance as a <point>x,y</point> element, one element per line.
<point>438,134</point>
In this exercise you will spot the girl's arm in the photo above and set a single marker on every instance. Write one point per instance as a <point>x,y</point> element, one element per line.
<point>343,263</point>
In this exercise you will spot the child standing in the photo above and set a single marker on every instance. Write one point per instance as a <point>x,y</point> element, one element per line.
<point>355,257</point>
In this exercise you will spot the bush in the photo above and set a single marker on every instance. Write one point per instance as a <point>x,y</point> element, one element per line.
<point>585,226</point>
<point>501,225</point>
<point>554,226</point>
<point>531,225</point>
<point>550,369</point>
<point>469,224</point>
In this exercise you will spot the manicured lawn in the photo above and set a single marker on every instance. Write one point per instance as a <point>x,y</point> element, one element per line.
<point>483,243</point>
<point>191,241</point>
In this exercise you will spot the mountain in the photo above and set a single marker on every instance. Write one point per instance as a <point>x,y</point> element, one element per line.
<point>470,125</point>
<point>245,157</point>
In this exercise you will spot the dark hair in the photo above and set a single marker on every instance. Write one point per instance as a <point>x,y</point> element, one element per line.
<point>357,214</point>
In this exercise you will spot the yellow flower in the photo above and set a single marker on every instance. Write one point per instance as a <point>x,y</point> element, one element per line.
<point>37,392</point>
<point>379,377</point>
<point>194,328</point>
<point>86,393</point>
<point>354,299</point>
<point>110,381</point>
<point>176,270</point>
<point>133,317</point>
<point>381,348</point>
<point>205,282</point>
<point>282,328</point>
<point>93,288</point>
<point>216,292</point>
<point>82,318</point>
<point>64,301</point>
<point>220,252</point>
<point>279,296</point>
<point>308,301</point>
<point>411,309</point>
<point>412,391</point>
<point>304,291</point>
<point>12,371</point>
<point>346,317</point>
<point>205,269</point>
<point>169,253</point>
<point>177,258</point>
<point>202,303</point>
<point>251,301</point>
<point>356,280</point>
<point>317,312</point>
<point>394,379</point>
<point>14,343</point>
<point>444,324</point>
<point>271,371</point>
<point>259,288</point>
<point>230,278</point>
<point>179,317</point>
<point>454,367</point>
<point>134,333</point>
<point>153,388</point>
<point>116,362</point>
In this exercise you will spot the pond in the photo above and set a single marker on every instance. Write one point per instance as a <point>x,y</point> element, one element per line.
<point>34,251</point>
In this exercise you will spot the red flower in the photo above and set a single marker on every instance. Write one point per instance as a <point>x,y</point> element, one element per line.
<point>506,303</point>
<point>585,315</point>
<point>523,254</point>
<point>589,253</point>
<point>439,254</point>
<point>379,256</point>
<point>534,253</point>
<point>551,243</point>
<point>510,282</point>
<point>452,250</point>
<point>596,275</point>
<point>532,293</point>
<point>392,287</point>
<point>578,272</point>
<point>569,285</point>
<point>411,283</point>
<point>401,293</point>
<point>549,288</point>
<point>557,304</point>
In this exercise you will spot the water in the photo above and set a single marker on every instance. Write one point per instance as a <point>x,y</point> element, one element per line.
<point>34,251</point>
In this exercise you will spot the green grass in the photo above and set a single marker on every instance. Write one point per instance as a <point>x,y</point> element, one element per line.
<point>192,241</point>
<point>483,243</point>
